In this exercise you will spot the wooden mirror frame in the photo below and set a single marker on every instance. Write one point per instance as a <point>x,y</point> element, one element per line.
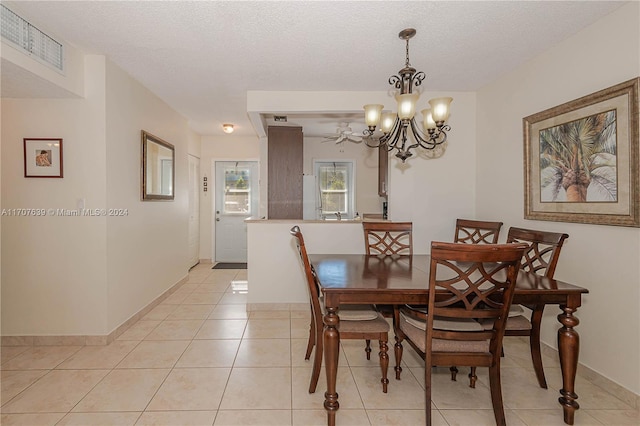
<point>152,181</point>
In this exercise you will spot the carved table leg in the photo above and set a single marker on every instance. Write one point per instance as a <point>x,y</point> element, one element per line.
<point>331,349</point>
<point>384,364</point>
<point>568,349</point>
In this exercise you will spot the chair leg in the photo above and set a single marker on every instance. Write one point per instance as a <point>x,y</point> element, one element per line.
<point>312,339</point>
<point>534,343</point>
<point>454,372</point>
<point>427,389</point>
<point>472,378</point>
<point>398,336</point>
<point>384,364</point>
<point>496,394</point>
<point>398,353</point>
<point>367,349</point>
<point>317,362</point>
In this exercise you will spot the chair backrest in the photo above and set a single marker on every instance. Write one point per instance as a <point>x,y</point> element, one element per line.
<point>309,272</point>
<point>472,281</point>
<point>544,249</point>
<point>388,237</point>
<point>477,231</point>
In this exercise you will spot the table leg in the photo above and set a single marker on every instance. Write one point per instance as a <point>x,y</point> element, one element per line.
<point>568,349</point>
<point>331,352</point>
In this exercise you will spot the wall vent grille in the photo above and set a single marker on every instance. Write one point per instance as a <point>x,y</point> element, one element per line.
<point>30,39</point>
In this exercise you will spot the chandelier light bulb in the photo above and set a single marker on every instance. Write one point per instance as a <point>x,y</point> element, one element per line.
<point>428,122</point>
<point>372,114</point>
<point>407,105</point>
<point>440,109</point>
<point>386,124</point>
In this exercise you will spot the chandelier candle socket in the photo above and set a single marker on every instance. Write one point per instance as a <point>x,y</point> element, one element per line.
<point>395,128</point>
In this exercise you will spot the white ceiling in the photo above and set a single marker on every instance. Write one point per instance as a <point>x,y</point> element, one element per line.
<point>201,57</point>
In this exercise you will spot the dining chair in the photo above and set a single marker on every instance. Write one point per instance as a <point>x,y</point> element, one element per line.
<point>470,231</point>
<point>541,257</point>
<point>388,238</point>
<point>477,231</point>
<point>466,282</point>
<point>356,321</point>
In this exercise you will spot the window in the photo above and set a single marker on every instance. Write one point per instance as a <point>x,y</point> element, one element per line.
<point>237,190</point>
<point>337,189</point>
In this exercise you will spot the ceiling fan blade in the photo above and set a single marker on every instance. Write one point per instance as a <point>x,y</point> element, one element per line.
<point>341,138</point>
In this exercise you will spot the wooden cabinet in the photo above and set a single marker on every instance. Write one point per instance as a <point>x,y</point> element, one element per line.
<point>383,171</point>
<point>285,170</point>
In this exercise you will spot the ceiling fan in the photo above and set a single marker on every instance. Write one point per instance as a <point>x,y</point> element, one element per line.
<point>343,133</point>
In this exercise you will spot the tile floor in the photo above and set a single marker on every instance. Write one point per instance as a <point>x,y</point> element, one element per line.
<point>199,359</point>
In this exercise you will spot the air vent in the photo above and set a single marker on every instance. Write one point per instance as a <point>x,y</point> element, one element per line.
<point>30,39</point>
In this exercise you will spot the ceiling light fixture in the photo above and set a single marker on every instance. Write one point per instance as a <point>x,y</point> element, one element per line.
<point>395,127</point>
<point>227,128</point>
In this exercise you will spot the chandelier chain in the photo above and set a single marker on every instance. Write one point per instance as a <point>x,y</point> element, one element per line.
<point>407,64</point>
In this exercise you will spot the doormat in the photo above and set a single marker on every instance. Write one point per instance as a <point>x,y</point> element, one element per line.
<point>230,266</point>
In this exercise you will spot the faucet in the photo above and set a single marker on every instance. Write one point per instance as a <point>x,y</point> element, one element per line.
<point>338,215</point>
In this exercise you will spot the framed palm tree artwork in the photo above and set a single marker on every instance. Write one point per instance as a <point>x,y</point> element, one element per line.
<point>581,159</point>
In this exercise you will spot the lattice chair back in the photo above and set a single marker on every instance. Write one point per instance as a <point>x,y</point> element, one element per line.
<point>388,238</point>
<point>477,231</point>
<point>544,249</point>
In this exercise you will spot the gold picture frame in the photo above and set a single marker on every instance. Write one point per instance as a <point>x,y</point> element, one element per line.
<point>158,169</point>
<point>581,159</point>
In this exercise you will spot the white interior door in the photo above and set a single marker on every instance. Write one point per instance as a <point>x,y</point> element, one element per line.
<point>237,198</point>
<point>194,210</point>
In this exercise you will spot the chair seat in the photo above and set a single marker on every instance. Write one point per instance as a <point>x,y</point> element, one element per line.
<point>513,323</point>
<point>457,324</point>
<point>515,310</point>
<point>417,334</point>
<point>353,312</point>
<point>377,325</point>
<point>418,308</point>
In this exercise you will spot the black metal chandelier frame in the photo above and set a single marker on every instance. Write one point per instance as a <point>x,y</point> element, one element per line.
<point>397,137</point>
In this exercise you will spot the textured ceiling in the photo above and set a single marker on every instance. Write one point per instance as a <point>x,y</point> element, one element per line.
<point>202,57</point>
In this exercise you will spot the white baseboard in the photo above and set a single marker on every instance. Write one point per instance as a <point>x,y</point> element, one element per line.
<point>91,340</point>
<point>598,379</point>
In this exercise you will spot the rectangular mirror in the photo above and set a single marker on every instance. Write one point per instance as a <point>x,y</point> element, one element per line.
<point>158,168</point>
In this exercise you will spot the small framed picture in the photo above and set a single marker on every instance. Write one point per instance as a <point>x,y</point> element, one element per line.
<point>42,157</point>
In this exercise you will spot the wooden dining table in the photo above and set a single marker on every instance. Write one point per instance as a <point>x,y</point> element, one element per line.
<point>373,279</point>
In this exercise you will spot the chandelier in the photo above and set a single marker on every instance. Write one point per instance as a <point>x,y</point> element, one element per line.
<point>397,127</point>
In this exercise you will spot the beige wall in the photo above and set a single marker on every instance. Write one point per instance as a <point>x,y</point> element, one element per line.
<point>87,275</point>
<point>146,250</point>
<point>54,269</point>
<point>604,259</point>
